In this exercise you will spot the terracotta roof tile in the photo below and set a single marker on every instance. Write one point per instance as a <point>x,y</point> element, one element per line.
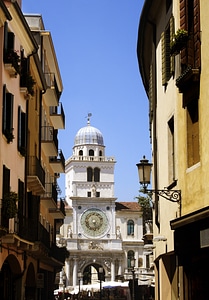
<point>131,206</point>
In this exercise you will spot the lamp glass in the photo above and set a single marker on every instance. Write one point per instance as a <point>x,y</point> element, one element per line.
<point>144,171</point>
<point>133,262</point>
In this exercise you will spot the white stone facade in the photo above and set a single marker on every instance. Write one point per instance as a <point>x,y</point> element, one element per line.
<point>96,230</point>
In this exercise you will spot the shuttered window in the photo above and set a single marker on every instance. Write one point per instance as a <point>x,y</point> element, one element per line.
<point>7,118</point>
<point>193,155</point>
<point>21,132</point>
<point>167,59</point>
<point>8,41</point>
<point>190,21</point>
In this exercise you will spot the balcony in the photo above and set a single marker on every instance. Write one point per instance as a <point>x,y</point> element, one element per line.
<point>59,253</point>
<point>11,62</point>
<point>35,176</point>
<point>57,163</point>
<point>189,77</point>
<point>49,141</point>
<point>49,198</point>
<point>57,116</point>
<point>59,211</point>
<point>52,94</point>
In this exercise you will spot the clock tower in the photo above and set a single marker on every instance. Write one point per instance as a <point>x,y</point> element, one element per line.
<point>99,232</point>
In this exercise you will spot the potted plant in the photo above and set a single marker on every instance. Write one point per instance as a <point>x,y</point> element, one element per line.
<point>11,57</point>
<point>9,135</point>
<point>29,84</point>
<point>179,41</point>
<point>9,205</point>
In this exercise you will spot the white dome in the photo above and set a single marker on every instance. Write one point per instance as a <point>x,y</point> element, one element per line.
<point>89,135</point>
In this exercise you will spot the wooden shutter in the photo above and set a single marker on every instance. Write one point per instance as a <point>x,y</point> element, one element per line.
<point>9,111</point>
<point>172,32</point>
<point>21,129</point>
<point>6,180</point>
<point>4,109</point>
<point>164,81</point>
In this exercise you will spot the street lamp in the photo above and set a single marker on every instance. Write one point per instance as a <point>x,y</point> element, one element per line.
<point>144,171</point>
<point>133,277</point>
<point>100,281</point>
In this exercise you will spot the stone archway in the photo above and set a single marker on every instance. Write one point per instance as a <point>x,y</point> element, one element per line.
<point>91,273</point>
<point>30,283</point>
<point>10,279</point>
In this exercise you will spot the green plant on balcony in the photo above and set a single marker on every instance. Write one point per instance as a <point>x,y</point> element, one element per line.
<point>9,135</point>
<point>9,205</point>
<point>11,57</point>
<point>30,82</point>
<point>179,41</point>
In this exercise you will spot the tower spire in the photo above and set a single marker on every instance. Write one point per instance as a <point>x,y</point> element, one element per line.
<point>88,118</point>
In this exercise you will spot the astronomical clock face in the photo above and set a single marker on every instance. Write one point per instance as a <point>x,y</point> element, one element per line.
<point>94,222</point>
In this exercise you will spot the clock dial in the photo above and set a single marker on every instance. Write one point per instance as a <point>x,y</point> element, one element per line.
<point>94,222</point>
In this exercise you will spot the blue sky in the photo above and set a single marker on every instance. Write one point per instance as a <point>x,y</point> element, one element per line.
<point>95,43</point>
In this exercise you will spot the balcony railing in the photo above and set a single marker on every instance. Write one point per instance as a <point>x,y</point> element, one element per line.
<point>57,162</point>
<point>52,94</point>
<point>28,228</point>
<point>59,253</point>
<point>49,140</point>
<point>35,175</point>
<point>50,195</point>
<point>57,116</point>
<point>92,158</point>
<point>59,211</point>
<point>43,235</point>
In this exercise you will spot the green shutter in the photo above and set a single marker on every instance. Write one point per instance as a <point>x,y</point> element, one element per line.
<point>172,32</point>
<point>163,58</point>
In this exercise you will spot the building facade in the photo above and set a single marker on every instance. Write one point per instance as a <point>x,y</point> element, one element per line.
<point>172,54</point>
<point>31,115</point>
<point>99,232</point>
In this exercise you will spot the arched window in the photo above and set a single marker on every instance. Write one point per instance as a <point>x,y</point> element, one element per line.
<point>96,174</point>
<point>130,256</point>
<point>91,152</point>
<point>89,174</point>
<point>130,227</point>
<point>80,152</point>
<point>100,152</point>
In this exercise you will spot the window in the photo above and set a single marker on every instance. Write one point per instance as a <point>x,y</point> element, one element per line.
<point>100,152</point>
<point>190,21</point>
<point>96,174</point>
<point>193,155</point>
<point>6,190</point>
<point>130,227</point>
<point>93,174</point>
<point>21,132</point>
<point>81,152</point>
<point>89,174</point>
<point>171,151</point>
<point>130,256</point>
<point>9,38</point>
<point>91,152</point>
<point>7,118</point>
<point>97,194</point>
<point>88,194</point>
<point>167,59</point>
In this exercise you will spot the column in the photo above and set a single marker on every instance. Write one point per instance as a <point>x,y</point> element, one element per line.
<point>112,270</point>
<point>75,271</point>
<point>67,271</point>
<point>119,267</point>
